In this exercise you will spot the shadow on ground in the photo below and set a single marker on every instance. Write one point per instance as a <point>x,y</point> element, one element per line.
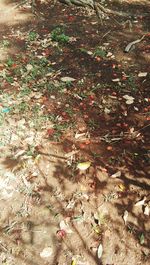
<point>50,202</point>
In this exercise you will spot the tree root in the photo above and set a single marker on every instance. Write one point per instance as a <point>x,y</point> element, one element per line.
<point>99,9</point>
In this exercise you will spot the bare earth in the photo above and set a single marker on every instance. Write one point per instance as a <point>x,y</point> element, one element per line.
<point>74,135</point>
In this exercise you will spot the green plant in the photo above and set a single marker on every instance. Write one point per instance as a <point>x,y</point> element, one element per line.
<point>31,151</point>
<point>10,62</point>
<point>43,61</point>
<point>9,79</point>
<point>99,52</point>
<point>83,50</point>
<point>25,91</point>
<point>32,36</point>
<point>23,107</point>
<point>5,43</point>
<point>131,82</point>
<point>93,124</point>
<point>58,35</point>
<point>1,119</point>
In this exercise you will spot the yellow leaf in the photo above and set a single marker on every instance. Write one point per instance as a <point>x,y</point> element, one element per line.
<point>122,187</point>
<point>73,262</point>
<point>97,230</point>
<point>84,165</point>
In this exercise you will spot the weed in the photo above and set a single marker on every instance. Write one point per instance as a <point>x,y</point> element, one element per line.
<point>10,227</point>
<point>58,35</point>
<point>52,117</point>
<point>5,43</point>
<point>51,87</point>
<point>31,151</point>
<point>69,111</point>
<point>9,62</point>
<point>9,79</point>
<point>83,50</point>
<point>1,119</point>
<point>99,52</point>
<point>23,107</point>
<point>95,155</point>
<point>131,82</point>
<point>98,87</point>
<point>93,124</point>
<point>80,82</point>
<point>36,108</point>
<point>68,84</point>
<point>32,36</point>
<point>131,229</point>
<point>59,87</point>
<point>43,61</point>
<point>25,91</point>
<point>39,120</point>
<point>110,196</point>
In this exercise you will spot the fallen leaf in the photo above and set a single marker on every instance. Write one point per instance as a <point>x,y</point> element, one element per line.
<point>116,80</point>
<point>109,54</point>
<point>125,216</point>
<point>142,239</point>
<point>142,74</point>
<point>89,52</point>
<point>100,251</point>
<point>129,99</point>
<point>67,79</point>
<point>97,229</point>
<point>46,252</point>
<point>64,226</point>
<point>121,187</point>
<point>84,165</point>
<point>141,202</point>
<point>78,135</point>
<point>61,233</point>
<point>116,175</point>
<point>73,262</point>
<point>146,210</point>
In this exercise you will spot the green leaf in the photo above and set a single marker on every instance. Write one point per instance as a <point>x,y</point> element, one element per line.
<point>142,239</point>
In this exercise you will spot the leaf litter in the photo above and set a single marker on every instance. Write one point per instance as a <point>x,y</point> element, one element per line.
<point>33,125</point>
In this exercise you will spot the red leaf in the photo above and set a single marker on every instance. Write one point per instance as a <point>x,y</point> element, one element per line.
<point>50,132</point>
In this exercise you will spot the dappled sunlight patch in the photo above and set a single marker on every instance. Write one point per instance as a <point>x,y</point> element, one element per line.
<point>6,52</point>
<point>73,141</point>
<point>10,15</point>
<point>143,2</point>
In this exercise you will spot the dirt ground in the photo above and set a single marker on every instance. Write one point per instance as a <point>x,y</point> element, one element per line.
<point>74,134</point>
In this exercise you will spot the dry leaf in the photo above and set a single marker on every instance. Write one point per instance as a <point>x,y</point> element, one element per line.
<point>116,80</point>
<point>46,252</point>
<point>116,175</point>
<point>129,99</point>
<point>100,251</point>
<point>142,74</point>
<point>67,79</point>
<point>141,202</point>
<point>84,166</point>
<point>125,216</point>
<point>146,210</point>
<point>64,226</point>
<point>73,262</point>
<point>78,135</point>
<point>122,187</point>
